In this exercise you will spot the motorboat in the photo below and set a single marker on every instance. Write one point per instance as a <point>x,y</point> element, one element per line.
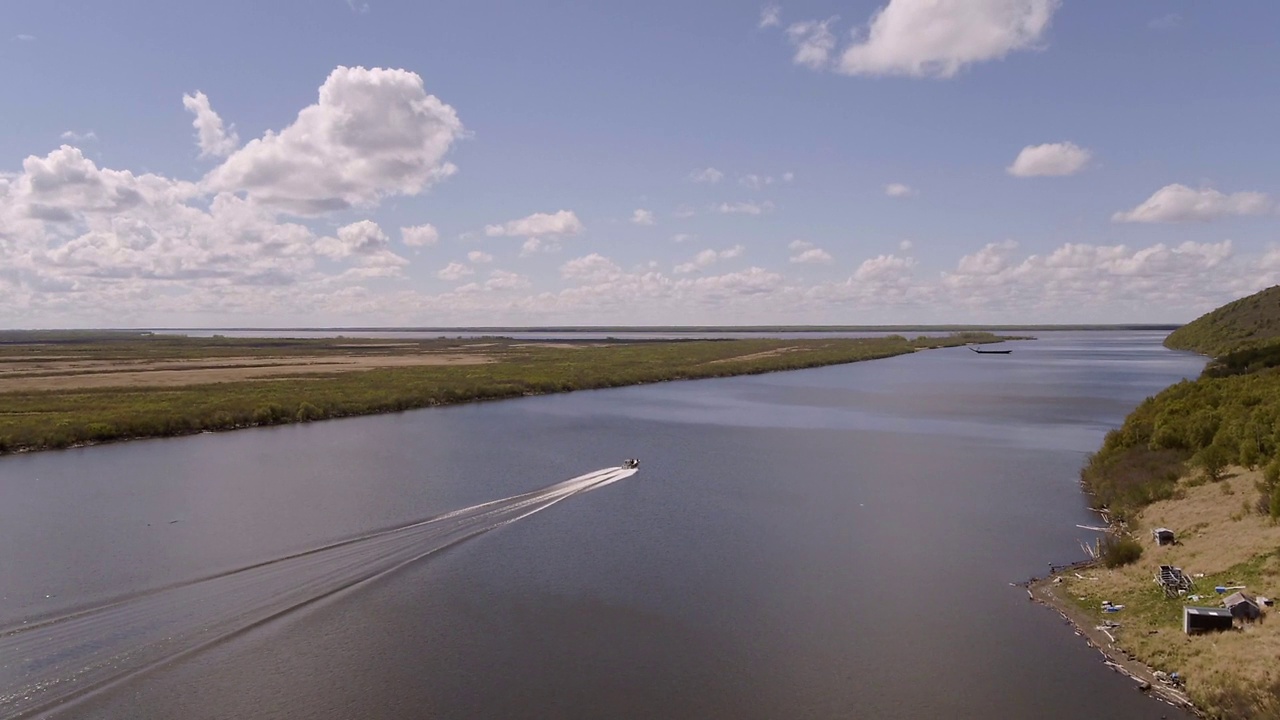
<point>631,464</point>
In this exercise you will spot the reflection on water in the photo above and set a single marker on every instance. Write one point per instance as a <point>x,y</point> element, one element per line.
<point>835,542</point>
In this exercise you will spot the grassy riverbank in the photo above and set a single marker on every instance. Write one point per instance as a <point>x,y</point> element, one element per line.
<point>61,389</point>
<point>1222,541</point>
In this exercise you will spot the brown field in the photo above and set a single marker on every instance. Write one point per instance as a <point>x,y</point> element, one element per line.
<point>50,373</point>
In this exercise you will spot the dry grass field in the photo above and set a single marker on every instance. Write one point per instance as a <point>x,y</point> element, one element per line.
<point>1222,541</point>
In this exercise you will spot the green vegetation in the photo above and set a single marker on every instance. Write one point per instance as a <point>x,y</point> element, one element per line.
<point>52,391</point>
<point>1118,550</point>
<point>1246,323</point>
<point>1229,416</point>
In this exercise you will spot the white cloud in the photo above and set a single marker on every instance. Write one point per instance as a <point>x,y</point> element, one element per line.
<point>898,190</point>
<point>504,280</point>
<point>359,8</point>
<point>684,211</point>
<point>23,37</point>
<point>927,38</point>
<point>744,208</point>
<point>557,224</point>
<point>478,257</point>
<point>788,177</point>
<point>536,245</point>
<point>707,258</point>
<point>1050,159</point>
<point>882,268</point>
<point>813,41</point>
<point>364,241</point>
<point>796,245</point>
<point>642,217</point>
<point>1179,203</point>
<point>758,182</point>
<point>454,271</point>
<point>683,237</point>
<point>73,136</point>
<point>811,256</point>
<point>905,246</point>
<point>710,175</point>
<point>770,16</point>
<point>372,133</point>
<point>593,268</point>
<point>423,235</point>
<point>214,141</point>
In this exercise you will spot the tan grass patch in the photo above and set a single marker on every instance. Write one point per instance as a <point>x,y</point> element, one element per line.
<point>177,373</point>
<point>755,356</point>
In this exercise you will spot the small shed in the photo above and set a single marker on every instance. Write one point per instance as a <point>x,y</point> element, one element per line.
<point>1205,619</point>
<point>1243,607</point>
<point>1163,536</point>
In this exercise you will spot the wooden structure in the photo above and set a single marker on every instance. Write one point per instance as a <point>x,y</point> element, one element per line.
<point>1173,581</point>
<point>1163,536</point>
<point>1243,607</point>
<point>1205,619</point>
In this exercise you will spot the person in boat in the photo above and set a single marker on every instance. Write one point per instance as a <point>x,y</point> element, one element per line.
<point>631,463</point>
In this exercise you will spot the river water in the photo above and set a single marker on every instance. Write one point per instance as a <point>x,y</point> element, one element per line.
<point>826,543</point>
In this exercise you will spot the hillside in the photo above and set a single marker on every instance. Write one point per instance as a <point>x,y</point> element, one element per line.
<point>1245,323</point>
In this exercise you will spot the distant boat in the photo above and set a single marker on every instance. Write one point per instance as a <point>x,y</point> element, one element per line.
<point>990,352</point>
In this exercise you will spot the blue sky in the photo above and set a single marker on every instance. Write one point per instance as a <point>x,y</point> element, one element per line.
<point>921,161</point>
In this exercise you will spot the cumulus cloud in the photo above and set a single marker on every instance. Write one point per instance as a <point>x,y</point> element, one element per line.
<point>706,258</point>
<point>770,16</point>
<point>214,140</point>
<point>478,257</point>
<point>882,268</point>
<point>423,235</point>
<point>898,190</point>
<point>1050,159</point>
<point>1179,203</point>
<point>812,256</point>
<point>683,237</point>
<point>558,224</point>
<point>73,136</point>
<point>642,217</point>
<point>372,133</point>
<point>744,208</point>
<point>927,38</point>
<point>454,271</point>
<point>799,245</point>
<point>593,268</point>
<point>813,42</point>
<point>710,176</point>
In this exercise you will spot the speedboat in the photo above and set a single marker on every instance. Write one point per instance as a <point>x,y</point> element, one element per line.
<point>631,464</point>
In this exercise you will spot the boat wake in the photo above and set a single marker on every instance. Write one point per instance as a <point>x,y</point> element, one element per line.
<point>48,663</point>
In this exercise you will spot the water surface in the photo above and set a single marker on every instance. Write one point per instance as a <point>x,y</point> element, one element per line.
<point>835,542</point>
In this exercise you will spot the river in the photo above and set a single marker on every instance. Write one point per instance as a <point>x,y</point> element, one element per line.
<point>827,543</point>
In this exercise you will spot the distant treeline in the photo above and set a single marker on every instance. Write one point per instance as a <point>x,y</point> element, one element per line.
<point>60,418</point>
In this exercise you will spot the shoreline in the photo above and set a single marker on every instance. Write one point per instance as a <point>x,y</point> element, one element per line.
<point>67,400</point>
<point>1045,591</point>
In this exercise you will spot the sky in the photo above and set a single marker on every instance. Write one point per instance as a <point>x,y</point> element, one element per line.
<point>469,162</point>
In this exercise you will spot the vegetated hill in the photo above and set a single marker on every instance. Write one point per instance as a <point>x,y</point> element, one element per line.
<point>1246,323</point>
<point>1229,416</point>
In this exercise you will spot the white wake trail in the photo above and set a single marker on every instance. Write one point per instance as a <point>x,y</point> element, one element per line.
<point>47,663</point>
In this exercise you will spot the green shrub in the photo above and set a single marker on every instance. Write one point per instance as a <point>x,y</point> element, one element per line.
<point>1120,550</point>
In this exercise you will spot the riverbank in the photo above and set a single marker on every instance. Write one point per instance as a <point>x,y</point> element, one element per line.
<point>64,389</point>
<point>1223,541</point>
